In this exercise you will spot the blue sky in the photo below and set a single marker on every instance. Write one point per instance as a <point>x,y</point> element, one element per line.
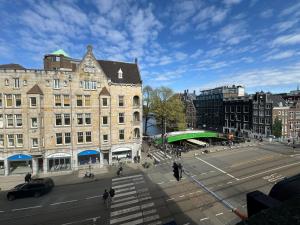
<point>183,44</point>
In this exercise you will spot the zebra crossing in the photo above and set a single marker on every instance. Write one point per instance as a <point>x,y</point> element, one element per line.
<point>160,156</point>
<point>132,203</point>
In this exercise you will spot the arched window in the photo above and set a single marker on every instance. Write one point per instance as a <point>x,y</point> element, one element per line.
<point>136,117</point>
<point>136,101</point>
<point>136,132</point>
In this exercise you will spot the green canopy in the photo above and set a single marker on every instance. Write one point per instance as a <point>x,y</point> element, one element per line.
<point>60,52</point>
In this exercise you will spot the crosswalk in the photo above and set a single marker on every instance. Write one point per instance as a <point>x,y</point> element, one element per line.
<point>160,156</point>
<point>132,203</point>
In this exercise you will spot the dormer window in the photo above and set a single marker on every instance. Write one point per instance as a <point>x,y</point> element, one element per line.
<point>120,74</point>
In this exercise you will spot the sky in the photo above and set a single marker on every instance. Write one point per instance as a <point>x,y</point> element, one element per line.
<point>181,44</point>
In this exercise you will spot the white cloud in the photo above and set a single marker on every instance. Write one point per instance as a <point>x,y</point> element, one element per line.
<point>215,52</point>
<point>267,13</point>
<point>290,10</point>
<point>282,55</point>
<point>233,33</point>
<point>210,14</point>
<point>287,39</point>
<point>231,2</point>
<point>180,56</point>
<point>285,25</point>
<point>197,53</point>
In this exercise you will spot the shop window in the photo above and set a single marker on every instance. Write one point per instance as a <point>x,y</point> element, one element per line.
<point>9,100</point>
<point>34,122</point>
<point>88,118</point>
<point>1,140</point>
<point>79,119</point>
<point>121,118</point>
<point>18,120</point>
<point>59,139</point>
<point>66,100</point>
<point>87,100</point>
<point>10,140</point>
<point>105,138</point>
<point>19,140</point>
<point>58,120</point>
<point>67,138</point>
<point>88,136</point>
<point>79,137</point>
<point>18,101</point>
<point>10,120</point>
<point>121,101</point>
<point>67,120</point>
<point>32,101</point>
<point>104,102</point>
<point>121,135</point>
<point>35,142</point>
<point>79,100</point>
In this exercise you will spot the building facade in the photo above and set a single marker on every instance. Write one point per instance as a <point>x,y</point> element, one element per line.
<point>68,117</point>
<point>293,128</point>
<point>190,110</point>
<point>282,113</point>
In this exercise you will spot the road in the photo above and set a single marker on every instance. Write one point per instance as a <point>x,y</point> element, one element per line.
<point>154,197</point>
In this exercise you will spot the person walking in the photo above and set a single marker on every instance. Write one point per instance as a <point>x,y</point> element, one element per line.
<point>111,193</point>
<point>105,197</point>
<point>28,178</point>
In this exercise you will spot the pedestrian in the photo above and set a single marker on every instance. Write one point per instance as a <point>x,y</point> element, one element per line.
<point>28,177</point>
<point>180,170</point>
<point>111,193</point>
<point>105,196</point>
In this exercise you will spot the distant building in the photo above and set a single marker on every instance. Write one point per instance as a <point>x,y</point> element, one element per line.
<point>190,110</point>
<point>292,97</point>
<point>281,111</point>
<point>293,128</point>
<point>210,108</point>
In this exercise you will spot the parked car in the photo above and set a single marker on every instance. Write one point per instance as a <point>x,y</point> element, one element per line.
<point>36,188</point>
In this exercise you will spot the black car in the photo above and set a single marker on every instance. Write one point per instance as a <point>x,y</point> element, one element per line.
<point>36,187</point>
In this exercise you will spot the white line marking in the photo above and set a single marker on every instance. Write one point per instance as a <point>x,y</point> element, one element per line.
<point>181,196</point>
<point>93,219</point>
<point>96,196</point>
<point>57,203</point>
<point>125,193</point>
<point>125,189</point>
<point>124,203</point>
<point>32,207</point>
<point>217,168</point>
<point>229,182</point>
<point>203,173</point>
<point>123,185</point>
<point>204,219</point>
<point>218,214</point>
<point>269,170</point>
<point>122,219</point>
<point>125,199</point>
<point>171,180</point>
<point>128,177</point>
<point>161,182</point>
<point>170,199</point>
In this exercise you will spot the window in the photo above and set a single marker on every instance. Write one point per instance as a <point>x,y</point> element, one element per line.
<point>11,140</point>
<point>24,82</point>
<point>1,120</point>
<point>58,120</point>
<point>67,138</point>
<point>66,100</point>
<point>268,106</point>
<point>104,120</point>
<point>80,137</point>
<point>18,100</point>
<point>18,120</point>
<point>67,120</point>
<point>136,133</point>
<point>246,108</point>
<point>9,100</point>
<point>121,135</point>
<point>88,136</point>
<point>56,83</point>
<point>261,120</point>
<point>105,138</point>
<point>136,101</point>
<point>65,83</point>
<point>87,84</point>
<point>35,142</point>
<point>94,85</point>
<point>80,119</point>
<point>79,100</point>
<point>246,118</point>
<point>238,109</point>
<point>19,140</point>
<point>87,100</point>
<point>34,123</point>
<point>120,74</point>
<point>10,120</point>
<point>16,83</point>
<point>231,108</point>
<point>59,139</point>
<point>1,104</point>
<point>104,102</point>
<point>268,112</point>
<point>32,101</point>
<point>87,118</point>
<point>57,100</point>
<point>1,140</point>
<point>227,108</point>
<point>136,116</point>
<point>6,82</point>
<point>121,100</point>
<point>121,118</point>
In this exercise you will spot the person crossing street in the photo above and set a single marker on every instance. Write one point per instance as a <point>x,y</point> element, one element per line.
<point>111,193</point>
<point>105,197</point>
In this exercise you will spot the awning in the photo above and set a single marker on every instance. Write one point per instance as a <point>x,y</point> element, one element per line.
<point>201,143</point>
<point>19,157</point>
<point>121,149</point>
<point>88,152</point>
<point>59,155</point>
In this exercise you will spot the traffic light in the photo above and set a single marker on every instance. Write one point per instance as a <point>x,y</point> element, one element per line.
<point>176,171</point>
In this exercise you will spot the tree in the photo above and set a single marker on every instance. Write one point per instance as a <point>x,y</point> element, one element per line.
<point>277,127</point>
<point>147,92</point>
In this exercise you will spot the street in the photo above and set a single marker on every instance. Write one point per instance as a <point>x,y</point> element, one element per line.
<point>153,196</point>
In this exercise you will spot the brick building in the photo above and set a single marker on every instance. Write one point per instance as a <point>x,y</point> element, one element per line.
<point>293,128</point>
<point>71,114</point>
<point>190,110</point>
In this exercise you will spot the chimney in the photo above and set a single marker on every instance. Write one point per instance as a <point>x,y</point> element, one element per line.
<point>135,60</point>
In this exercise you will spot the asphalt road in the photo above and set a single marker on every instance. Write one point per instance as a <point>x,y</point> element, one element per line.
<point>153,196</point>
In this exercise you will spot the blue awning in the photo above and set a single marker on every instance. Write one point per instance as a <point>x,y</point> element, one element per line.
<point>19,157</point>
<point>88,152</point>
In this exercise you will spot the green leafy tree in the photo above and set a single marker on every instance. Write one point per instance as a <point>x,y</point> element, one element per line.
<point>277,127</point>
<point>147,93</point>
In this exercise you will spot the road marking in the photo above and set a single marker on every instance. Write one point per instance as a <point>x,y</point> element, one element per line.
<point>170,199</point>
<point>131,209</point>
<point>203,173</point>
<point>206,218</point>
<point>94,219</point>
<point>123,185</point>
<point>125,199</point>
<point>96,196</point>
<point>217,168</point>
<point>161,182</point>
<point>32,207</point>
<point>125,189</point>
<point>212,171</point>
<point>126,193</point>
<point>128,177</point>
<point>57,203</point>
<point>269,170</point>
<point>229,182</point>
<point>172,180</point>
<point>181,196</point>
<point>218,214</point>
<point>2,211</point>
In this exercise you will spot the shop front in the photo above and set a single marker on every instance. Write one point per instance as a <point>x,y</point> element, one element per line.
<point>2,168</point>
<point>19,164</point>
<point>59,162</point>
<point>123,154</point>
<point>88,157</point>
